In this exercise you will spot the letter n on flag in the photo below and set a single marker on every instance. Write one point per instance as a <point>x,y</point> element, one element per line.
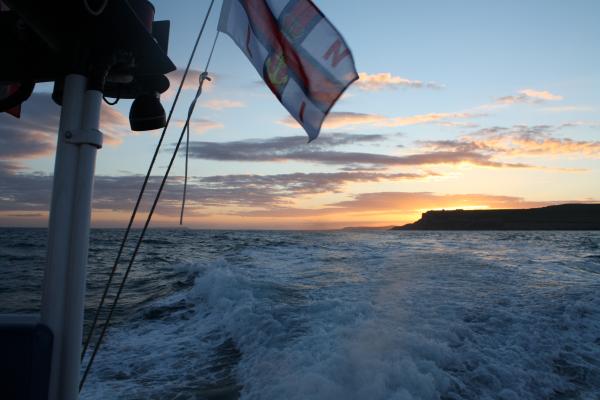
<point>300,55</point>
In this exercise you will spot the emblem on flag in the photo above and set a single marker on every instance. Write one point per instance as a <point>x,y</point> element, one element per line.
<point>300,55</point>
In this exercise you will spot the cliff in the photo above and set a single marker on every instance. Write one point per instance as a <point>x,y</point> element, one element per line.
<point>560,217</point>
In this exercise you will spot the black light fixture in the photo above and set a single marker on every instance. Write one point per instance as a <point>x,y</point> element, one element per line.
<point>146,113</point>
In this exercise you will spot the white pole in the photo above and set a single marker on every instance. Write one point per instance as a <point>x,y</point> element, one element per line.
<point>63,188</point>
<point>68,234</point>
<point>89,141</point>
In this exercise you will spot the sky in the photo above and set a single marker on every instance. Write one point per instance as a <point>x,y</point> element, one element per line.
<point>463,104</point>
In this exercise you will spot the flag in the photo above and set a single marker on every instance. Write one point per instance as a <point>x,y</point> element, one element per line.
<point>299,54</point>
<point>5,92</point>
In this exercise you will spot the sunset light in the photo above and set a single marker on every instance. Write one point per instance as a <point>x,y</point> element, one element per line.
<point>300,199</point>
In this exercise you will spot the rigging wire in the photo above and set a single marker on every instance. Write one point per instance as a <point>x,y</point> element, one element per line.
<point>187,138</point>
<point>185,179</point>
<point>142,190</point>
<point>117,98</point>
<point>111,103</point>
<point>142,234</point>
<point>203,77</point>
<point>95,12</point>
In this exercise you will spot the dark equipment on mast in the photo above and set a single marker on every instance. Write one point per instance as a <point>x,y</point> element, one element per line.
<point>43,41</point>
<point>146,113</point>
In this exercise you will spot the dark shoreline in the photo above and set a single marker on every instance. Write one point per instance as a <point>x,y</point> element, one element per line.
<point>565,217</point>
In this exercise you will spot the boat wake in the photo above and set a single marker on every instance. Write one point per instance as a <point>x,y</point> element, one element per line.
<point>381,321</point>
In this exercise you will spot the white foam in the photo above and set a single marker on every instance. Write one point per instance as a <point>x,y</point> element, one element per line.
<point>445,318</point>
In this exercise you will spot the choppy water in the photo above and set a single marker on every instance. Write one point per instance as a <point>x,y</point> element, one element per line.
<point>339,315</point>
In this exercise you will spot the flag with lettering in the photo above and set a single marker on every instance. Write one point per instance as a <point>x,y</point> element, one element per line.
<point>299,54</point>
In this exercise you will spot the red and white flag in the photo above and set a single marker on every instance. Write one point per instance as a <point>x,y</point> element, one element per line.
<point>6,90</point>
<point>298,52</point>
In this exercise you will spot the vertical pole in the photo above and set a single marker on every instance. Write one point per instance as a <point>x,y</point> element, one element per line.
<point>63,188</point>
<point>78,255</point>
<point>68,234</point>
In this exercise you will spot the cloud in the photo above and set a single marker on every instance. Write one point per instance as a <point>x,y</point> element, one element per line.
<point>24,192</point>
<point>294,148</point>
<point>34,134</point>
<point>249,199</point>
<point>458,124</point>
<point>222,104</point>
<point>200,125</point>
<point>26,215</point>
<point>540,94</point>
<point>529,96</point>
<point>266,191</point>
<point>400,203</point>
<point>191,81</point>
<point>560,109</point>
<point>425,118</point>
<point>253,149</point>
<point>114,125</point>
<point>7,167</point>
<point>336,120</point>
<point>385,80</point>
<point>300,183</point>
<point>425,200</point>
<point>518,140</point>
<point>573,124</point>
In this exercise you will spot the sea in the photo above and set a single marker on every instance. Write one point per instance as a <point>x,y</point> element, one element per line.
<point>209,314</point>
